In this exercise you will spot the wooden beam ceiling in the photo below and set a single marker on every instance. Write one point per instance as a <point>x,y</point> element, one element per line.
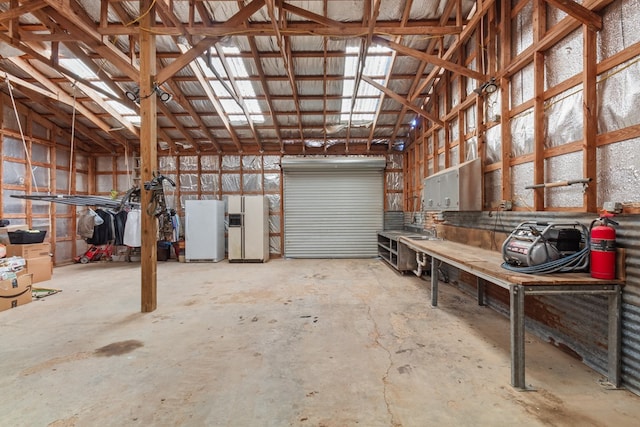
<point>269,32</point>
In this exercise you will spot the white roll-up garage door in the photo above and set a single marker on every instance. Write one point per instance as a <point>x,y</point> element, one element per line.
<point>332,207</point>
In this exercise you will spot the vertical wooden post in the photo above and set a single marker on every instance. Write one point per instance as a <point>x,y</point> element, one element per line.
<point>148,157</point>
<point>505,119</point>
<point>436,131</point>
<point>539,25</point>
<point>590,118</point>
<point>448,102</point>
<point>538,132</point>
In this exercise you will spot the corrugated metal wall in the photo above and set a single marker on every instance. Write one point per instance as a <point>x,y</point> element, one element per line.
<point>575,324</point>
<point>393,220</point>
<point>332,214</point>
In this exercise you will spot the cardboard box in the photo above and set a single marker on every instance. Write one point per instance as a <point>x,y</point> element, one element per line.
<point>15,292</point>
<point>41,268</point>
<point>4,236</point>
<point>33,250</point>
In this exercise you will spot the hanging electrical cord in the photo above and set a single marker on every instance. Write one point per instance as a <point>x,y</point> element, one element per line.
<point>577,261</point>
<point>24,142</point>
<point>73,133</point>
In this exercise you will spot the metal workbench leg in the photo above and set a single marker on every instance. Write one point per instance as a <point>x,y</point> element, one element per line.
<point>615,336</point>
<point>517,336</point>
<point>434,282</point>
<point>480,284</point>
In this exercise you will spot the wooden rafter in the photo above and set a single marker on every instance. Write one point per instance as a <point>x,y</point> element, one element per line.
<point>337,29</point>
<point>206,87</point>
<point>105,36</point>
<point>44,97</point>
<point>180,98</point>
<point>433,59</point>
<point>189,55</point>
<point>285,53</point>
<point>416,87</point>
<point>238,96</point>
<point>325,48</point>
<point>403,101</point>
<point>369,18</point>
<point>78,25</point>
<point>591,19</point>
<point>421,82</point>
<point>24,8</point>
<point>265,88</point>
<point>394,56</point>
<point>61,94</point>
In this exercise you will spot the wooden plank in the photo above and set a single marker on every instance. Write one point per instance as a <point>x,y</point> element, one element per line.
<point>592,20</point>
<point>590,120</point>
<point>506,185</point>
<point>432,59</point>
<point>538,132</point>
<point>490,263</point>
<point>191,54</point>
<point>24,8</point>
<point>472,236</point>
<point>402,101</point>
<point>618,135</point>
<point>85,31</point>
<point>539,29</point>
<point>149,160</point>
<point>552,37</point>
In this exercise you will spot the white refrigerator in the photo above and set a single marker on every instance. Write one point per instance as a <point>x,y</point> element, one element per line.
<point>204,230</point>
<point>248,228</point>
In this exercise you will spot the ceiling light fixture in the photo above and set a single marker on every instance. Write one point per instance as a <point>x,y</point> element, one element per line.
<point>487,87</point>
<point>134,95</point>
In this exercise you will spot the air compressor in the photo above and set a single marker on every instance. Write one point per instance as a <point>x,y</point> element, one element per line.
<point>539,247</point>
<point>603,247</point>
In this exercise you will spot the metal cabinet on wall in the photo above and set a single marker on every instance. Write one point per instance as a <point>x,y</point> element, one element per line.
<point>458,188</point>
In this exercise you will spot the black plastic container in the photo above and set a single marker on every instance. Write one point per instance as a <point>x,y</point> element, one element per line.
<point>22,237</point>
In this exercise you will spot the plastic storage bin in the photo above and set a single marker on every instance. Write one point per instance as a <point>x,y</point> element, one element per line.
<point>164,250</point>
<point>21,237</point>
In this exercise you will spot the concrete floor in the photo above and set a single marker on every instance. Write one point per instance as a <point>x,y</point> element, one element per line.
<point>287,343</point>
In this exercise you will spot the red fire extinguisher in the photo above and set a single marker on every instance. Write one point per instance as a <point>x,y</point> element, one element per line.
<point>603,248</point>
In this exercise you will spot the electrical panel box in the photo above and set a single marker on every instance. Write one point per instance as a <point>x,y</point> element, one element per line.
<point>458,188</point>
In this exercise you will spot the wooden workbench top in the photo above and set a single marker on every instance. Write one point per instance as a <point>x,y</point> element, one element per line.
<point>490,263</point>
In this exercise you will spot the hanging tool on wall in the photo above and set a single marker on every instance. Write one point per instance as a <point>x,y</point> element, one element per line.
<point>583,181</point>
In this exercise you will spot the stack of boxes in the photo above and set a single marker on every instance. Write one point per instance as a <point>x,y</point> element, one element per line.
<point>15,291</point>
<point>16,288</point>
<point>38,258</point>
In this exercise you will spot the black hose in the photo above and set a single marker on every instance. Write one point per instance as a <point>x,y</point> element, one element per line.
<point>578,261</point>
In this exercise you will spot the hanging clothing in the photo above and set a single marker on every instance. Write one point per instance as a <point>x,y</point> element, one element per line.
<point>86,223</point>
<point>175,220</point>
<point>103,233</point>
<point>120,221</point>
<point>132,229</point>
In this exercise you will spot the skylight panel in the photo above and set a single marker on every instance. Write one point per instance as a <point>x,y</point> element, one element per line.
<point>216,63</point>
<point>78,68</point>
<point>245,88</point>
<point>120,108</point>
<point>235,63</point>
<point>366,103</point>
<point>231,107</point>
<point>105,87</point>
